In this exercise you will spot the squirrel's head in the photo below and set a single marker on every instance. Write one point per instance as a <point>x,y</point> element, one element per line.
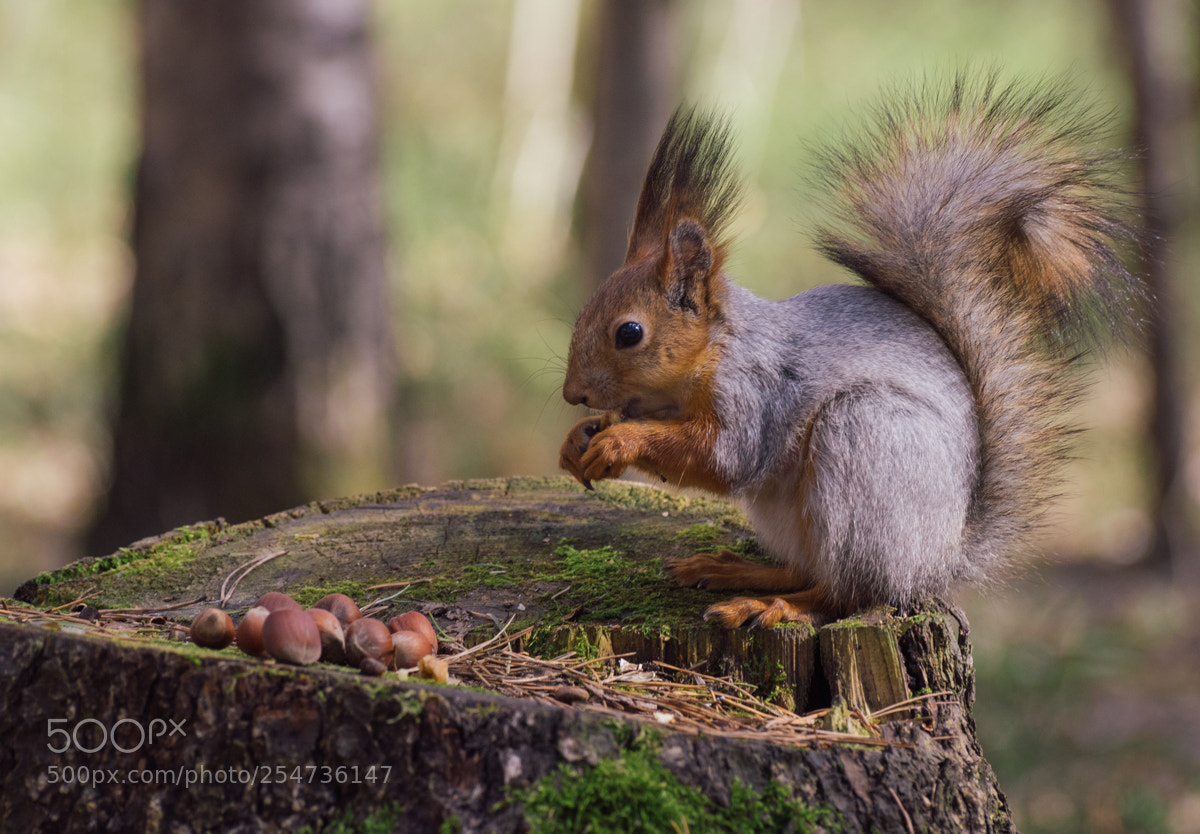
<point>645,343</point>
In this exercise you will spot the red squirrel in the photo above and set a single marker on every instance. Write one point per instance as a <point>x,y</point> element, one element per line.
<point>890,439</point>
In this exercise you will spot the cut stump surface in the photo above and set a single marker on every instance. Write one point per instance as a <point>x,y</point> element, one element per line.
<point>258,746</point>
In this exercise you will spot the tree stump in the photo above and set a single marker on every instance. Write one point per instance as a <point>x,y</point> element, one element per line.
<point>109,731</point>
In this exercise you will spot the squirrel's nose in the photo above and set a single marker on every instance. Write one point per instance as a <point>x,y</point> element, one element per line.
<point>573,392</point>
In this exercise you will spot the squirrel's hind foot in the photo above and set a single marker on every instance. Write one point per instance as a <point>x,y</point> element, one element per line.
<point>766,612</point>
<point>795,599</point>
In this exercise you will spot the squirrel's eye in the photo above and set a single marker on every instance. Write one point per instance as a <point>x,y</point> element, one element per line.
<point>629,334</point>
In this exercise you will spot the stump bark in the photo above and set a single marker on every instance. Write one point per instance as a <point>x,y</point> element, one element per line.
<point>228,742</point>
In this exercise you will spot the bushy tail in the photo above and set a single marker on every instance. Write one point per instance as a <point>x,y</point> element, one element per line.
<point>991,212</point>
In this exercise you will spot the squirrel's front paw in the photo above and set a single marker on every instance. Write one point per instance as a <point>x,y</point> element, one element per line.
<point>579,438</point>
<point>607,456</point>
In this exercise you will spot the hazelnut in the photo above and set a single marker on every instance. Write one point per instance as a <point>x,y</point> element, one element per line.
<point>341,606</point>
<point>290,636</point>
<point>333,639</point>
<point>371,666</point>
<point>367,637</point>
<point>249,631</point>
<point>408,647</point>
<point>274,601</point>
<point>212,629</point>
<point>418,622</point>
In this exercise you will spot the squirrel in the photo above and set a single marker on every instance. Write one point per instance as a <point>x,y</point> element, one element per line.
<point>887,440</point>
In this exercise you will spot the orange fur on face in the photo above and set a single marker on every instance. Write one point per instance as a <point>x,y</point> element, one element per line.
<point>660,390</point>
<point>661,376</point>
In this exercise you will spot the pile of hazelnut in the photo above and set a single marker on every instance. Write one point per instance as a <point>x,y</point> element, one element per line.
<point>333,630</point>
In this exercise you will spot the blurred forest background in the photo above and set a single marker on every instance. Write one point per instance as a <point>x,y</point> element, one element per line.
<point>363,231</point>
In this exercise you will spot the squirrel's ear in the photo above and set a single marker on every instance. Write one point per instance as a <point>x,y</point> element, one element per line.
<point>688,264</point>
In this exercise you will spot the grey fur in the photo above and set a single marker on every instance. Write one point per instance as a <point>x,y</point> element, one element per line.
<point>893,437</point>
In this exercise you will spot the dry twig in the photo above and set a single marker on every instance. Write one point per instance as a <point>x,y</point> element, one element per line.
<point>708,704</point>
<point>242,571</point>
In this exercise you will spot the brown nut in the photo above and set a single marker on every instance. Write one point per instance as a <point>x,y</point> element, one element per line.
<point>212,629</point>
<point>367,637</point>
<point>274,601</point>
<point>333,639</point>
<point>341,606</point>
<point>249,631</point>
<point>408,647</point>
<point>570,694</point>
<point>418,622</point>
<point>371,666</point>
<point>290,636</point>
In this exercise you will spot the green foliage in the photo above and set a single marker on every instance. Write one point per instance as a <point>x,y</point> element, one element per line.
<point>635,793</point>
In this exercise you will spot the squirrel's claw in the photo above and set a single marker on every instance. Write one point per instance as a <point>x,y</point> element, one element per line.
<point>608,455</point>
<point>585,457</point>
<point>570,456</point>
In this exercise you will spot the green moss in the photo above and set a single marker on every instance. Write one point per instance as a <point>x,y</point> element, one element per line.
<point>451,583</point>
<point>165,555</point>
<point>551,641</point>
<point>543,641</point>
<point>382,820</point>
<point>488,575</point>
<point>774,686</point>
<point>608,586</point>
<point>309,595</point>
<point>605,583</point>
<point>879,615</point>
<point>641,498</point>
<point>840,719</point>
<point>708,537</point>
<point>705,534</point>
<point>635,792</point>
<point>411,703</point>
<point>482,710</point>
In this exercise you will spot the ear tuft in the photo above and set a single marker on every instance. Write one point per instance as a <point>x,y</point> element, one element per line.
<point>691,176</point>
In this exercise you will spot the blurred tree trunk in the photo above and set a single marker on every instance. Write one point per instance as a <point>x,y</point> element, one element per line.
<point>1155,37</point>
<point>258,360</point>
<point>633,89</point>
